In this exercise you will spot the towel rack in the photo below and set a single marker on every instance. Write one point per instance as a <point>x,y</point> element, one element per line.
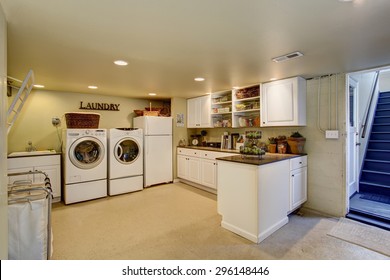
<point>25,191</point>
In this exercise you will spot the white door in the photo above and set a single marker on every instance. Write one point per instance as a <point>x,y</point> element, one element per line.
<point>352,130</point>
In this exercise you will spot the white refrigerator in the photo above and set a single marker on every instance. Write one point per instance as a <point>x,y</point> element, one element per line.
<point>157,149</point>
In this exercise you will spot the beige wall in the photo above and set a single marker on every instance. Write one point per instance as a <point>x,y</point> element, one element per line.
<point>326,157</point>
<point>178,106</point>
<point>3,139</point>
<point>34,122</point>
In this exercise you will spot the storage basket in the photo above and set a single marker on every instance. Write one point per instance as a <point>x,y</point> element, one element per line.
<point>82,120</point>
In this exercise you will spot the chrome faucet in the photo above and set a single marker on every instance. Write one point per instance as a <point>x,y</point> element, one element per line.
<point>30,147</point>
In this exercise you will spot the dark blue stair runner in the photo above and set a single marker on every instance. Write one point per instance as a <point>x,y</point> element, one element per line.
<point>375,175</point>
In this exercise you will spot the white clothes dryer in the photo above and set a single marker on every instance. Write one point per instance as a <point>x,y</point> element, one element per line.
<point>125,160</point>
<point>85,164</point>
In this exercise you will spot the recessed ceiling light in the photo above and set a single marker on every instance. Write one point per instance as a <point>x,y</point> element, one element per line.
<point>39,86</point>
<point>121,62</point>
<point>152,94</point>
<point>199,79</point>
<point>92,87</point>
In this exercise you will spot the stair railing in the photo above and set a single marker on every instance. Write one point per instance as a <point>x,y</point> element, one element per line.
<point>368,108</point>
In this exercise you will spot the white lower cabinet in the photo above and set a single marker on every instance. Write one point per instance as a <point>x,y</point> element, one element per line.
<point>199,166</point>
<point>50,164</point>
<point>298,182</point>
<point>209,173</point>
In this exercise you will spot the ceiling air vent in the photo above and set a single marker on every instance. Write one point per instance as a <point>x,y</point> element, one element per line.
<point>287,56</point>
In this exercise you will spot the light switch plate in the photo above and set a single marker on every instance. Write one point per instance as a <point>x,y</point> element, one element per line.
<point>332,134</point>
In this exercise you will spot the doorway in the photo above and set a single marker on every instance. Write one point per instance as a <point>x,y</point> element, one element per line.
<point>364,202</point>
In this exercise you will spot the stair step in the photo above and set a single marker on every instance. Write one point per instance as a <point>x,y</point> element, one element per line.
<point>380,136</point>
<point>379,144</point>
<point>384,94</point>
<point>382,119</point>
<point>382,112</point>
<point>379,165</point>
<point>369,187</point>
<point>378,154</point>
<point>383,99</point>
<point>377,177</point>
<point>368,219</point>
<point>381,127</point>
<point>383,105</point>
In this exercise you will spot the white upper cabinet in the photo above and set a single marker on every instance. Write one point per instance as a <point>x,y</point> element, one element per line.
<point>283,103</point>
<point>198,112</point>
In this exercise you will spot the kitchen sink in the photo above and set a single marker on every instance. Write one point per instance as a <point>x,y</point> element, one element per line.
<point>32,153</point>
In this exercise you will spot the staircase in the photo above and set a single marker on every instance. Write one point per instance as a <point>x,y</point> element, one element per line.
<point>375,174</point>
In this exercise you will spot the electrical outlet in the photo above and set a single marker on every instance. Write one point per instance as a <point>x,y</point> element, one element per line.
<point>332,134</point>
<point>56,121</point>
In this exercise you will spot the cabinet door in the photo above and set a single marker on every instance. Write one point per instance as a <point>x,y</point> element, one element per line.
<point>298,187</point>
<point>209,173</point>
<point>182,167</point>
<point>193,113</point>
<point>199,112</point>
<point>284,103</point>
<point>193,169</point>
<point>205,111</point>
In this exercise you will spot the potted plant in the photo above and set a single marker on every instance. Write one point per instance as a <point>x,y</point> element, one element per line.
<point>296,142</point>
<point>272,144</point>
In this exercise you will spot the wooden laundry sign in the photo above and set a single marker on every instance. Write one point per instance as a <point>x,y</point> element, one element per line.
<point>99,106</point>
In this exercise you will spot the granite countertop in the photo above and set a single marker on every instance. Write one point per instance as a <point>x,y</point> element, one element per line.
<point>239,158</point>
<point>255,160</point>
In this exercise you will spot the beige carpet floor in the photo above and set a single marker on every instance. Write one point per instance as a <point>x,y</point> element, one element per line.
<point>370,237</point>
<point>177,221</point>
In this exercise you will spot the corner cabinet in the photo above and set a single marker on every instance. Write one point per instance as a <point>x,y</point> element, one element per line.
<point>50,164</point>
<point>199,167</point>
<point>283,103</point>
<point>198,112</point>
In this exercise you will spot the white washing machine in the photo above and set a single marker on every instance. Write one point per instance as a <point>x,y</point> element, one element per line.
<point>125,160</point>
<point>85,164</point>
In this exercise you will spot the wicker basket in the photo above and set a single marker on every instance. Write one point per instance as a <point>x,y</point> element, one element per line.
<point>82,120</point>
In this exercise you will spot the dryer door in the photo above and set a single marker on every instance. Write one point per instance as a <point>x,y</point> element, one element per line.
<point>127,150</point>
<point>86,152</point>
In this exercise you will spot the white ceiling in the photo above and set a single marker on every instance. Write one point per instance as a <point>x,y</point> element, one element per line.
<point>72,44</point>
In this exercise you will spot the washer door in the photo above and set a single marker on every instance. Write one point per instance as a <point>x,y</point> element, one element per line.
<point>127,150</point>
<point>86,152</point>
